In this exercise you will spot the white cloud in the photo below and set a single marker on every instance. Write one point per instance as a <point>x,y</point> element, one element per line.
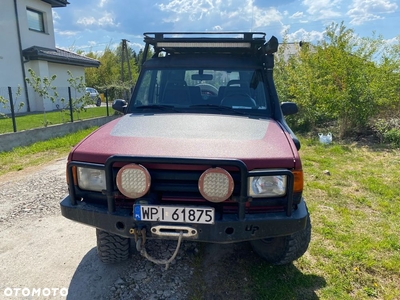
<point>303,35</point>
<point>393,41</point>
<point>66,32</point>
<point>323,9</point>
<point>297,15</point>
<point>219,15</point>
<point>56,16</point>
<point>285,30</point>
<point>363,11</point>
<point>106,20</point>
<point>136,45</point>
<point>87,21</point>
<point>102,3</point>
<point>196,9</point>
<point>263,18</point>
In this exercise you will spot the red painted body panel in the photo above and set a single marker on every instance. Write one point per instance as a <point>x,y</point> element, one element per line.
<point>259,143</point>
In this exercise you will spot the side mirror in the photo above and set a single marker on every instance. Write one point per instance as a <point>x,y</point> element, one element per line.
<point>289,108</point>
<point>119,105</point>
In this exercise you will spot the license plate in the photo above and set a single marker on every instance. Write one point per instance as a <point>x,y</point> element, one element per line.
<point>181,214</point>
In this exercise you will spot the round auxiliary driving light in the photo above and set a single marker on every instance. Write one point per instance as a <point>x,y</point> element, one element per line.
<point>133,181</point>
<point>216,185</point>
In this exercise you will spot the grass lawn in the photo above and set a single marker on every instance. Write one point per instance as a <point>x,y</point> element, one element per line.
<point>40,152</point>
<point>36,120</point>
<point>355,212</point>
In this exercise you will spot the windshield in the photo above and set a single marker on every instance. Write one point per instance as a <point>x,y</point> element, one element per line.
<point>200,88</point>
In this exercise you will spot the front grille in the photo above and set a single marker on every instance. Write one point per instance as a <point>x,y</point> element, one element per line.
<point>170,182</point>
<point>175,181</point>
<point>177,187</point>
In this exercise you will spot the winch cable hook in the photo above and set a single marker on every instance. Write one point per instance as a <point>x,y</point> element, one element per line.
<point>140,247</point>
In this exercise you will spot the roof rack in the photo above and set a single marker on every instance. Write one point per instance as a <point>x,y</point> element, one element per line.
<point>229,36</point>
<point>209,42</point>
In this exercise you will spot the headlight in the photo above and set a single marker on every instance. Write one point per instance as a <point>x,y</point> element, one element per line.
<point>133,181</point>
<point>91,179</point>
<point>216,185</point>
<point>267,186</point>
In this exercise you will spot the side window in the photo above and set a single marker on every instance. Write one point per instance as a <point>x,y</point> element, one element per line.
<point>35,20</point>
<point>148,92</point>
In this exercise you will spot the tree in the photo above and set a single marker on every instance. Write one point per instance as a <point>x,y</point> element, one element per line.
<point>107,72</point>
<point>108,75</point>
<point>44,88</point>
<point>79,98</point>
<point>338,79</point>
<point>6,103</point>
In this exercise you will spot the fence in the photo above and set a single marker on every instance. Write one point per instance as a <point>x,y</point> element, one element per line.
<point>17,113</point>
<point>24,138</point>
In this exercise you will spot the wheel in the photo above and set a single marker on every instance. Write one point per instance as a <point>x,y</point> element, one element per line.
<point>284,250</point>
<point>112,248</point>
<point>98,102</point>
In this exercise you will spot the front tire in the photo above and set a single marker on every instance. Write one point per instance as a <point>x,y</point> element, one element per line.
<point>112,248</point>
<point>284,250</point>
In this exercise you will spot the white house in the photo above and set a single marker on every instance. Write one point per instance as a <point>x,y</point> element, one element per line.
<point>27,42</point>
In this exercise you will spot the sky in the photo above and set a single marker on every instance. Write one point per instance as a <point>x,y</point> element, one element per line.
<point>93,25</point>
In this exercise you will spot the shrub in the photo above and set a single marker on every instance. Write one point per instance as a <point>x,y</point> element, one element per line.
<point>392,136</point>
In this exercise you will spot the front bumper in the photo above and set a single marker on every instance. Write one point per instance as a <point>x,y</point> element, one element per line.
<point>228,229</point>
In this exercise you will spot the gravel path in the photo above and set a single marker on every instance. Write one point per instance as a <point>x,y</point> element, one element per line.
<point>150,281</point>
<point>20,192</point>
<point>62,252</point>
<point>34,195</point>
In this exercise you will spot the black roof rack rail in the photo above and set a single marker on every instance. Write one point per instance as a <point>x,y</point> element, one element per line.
<point>229,36</point>
<point>209,42</point>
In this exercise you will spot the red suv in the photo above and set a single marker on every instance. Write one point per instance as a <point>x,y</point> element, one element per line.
<point>202,153</point>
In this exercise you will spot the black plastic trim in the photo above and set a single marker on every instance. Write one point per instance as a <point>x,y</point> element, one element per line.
<point>226,230</point>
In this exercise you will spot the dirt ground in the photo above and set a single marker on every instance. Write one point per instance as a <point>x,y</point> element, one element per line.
<point>48,251</point>
<point>43,252</point>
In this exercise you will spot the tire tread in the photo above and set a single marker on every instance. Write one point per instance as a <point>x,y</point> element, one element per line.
<point>294,246</point>
<point>112,248</point>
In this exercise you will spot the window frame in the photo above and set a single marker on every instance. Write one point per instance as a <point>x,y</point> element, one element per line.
<point>40,20</point>
<point>152,81</point>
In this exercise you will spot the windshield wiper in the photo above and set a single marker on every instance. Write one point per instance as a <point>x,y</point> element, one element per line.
<point>157,106</point>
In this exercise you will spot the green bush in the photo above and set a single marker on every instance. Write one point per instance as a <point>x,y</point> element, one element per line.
<point>392,136</point>
<point>342,78</point>
<point>388,130</point>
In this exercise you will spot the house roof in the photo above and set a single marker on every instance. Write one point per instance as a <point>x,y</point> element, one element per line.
<point>57,3</point>
<point>59,56</point>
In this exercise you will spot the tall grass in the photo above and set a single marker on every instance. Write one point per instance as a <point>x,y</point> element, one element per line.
<point>40,152</point>
<point>355,212</point>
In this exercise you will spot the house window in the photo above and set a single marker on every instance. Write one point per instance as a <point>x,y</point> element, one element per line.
<point>35,20</point>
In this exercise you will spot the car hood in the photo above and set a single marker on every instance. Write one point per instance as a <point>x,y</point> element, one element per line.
<point>259,143</point>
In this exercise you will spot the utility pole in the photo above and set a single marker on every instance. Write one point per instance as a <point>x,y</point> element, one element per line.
<point>124,54</point>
